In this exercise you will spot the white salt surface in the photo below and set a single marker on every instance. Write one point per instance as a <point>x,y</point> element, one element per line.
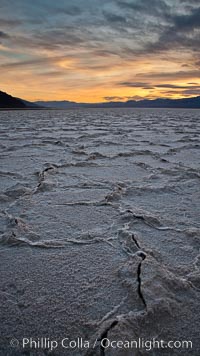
<point>99,227</point>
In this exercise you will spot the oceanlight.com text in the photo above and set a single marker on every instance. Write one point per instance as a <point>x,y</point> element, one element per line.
<point>104,343</point>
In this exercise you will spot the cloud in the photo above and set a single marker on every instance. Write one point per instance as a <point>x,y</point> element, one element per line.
<point>181,32</point>
<point>55,73</point>
<point>184,90</point>
<point>68,10</point>
<point>170,75</point>
<point>191,88</point>
<point>156,7</point>
<point>126,28</point>
<point>136,85</point>
<point>46,40</point>
<point>56,37</point>
<point>113,98</point>
<point>187,22</point>
<point>4,35</point>
<point>10,22</point>
<point>191,92</point>
<point>26,63</point>
<point>114,18</point>
<point>171,86</point>
<point>114,46</point>
<point>184,93</point>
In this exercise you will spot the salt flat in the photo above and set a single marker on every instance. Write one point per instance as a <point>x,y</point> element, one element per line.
<point>99,229</point>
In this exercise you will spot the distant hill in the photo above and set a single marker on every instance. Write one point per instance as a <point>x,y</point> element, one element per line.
<point>192,103</point>
<point>9,102</point>
<point>29,104</point>
<point>59,104</point>
<point>167,103</point>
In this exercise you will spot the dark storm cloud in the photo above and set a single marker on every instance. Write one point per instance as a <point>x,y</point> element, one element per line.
<point>170,75</point>
<point>177,75</point>
<point>4,35</point>
<point>136,85</point>
<point>10,22</point>
<point>48,39</point>
<point>64,36</point>
<point>126,28</point>
<point>104,34</point>
<point>104,53</point>
<point>154,7</point>
<point>69,10</point>
<point>189,2</point>
<point>147,26</point>
<point>171,86</point>
<point>191,92</point>
<point>111,17</point>
<point>179,32</point>
<point>187,22</point>
<point>171,40</point>
<point>188,92</point>
<point>156,26</point>
<point>190,87</point>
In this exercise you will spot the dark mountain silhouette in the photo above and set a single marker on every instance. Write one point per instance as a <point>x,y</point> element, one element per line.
<point>9,102</point>
<point>167,103</point>
<point>193,103</point>
<point>60,104</point>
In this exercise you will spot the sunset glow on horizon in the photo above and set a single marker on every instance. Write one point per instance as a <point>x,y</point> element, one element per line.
<point>97,51</point>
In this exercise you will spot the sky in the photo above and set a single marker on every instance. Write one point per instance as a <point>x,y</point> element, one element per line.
<point>100,50</point>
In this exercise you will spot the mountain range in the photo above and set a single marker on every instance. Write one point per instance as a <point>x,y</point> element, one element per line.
<point>9,102</point>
